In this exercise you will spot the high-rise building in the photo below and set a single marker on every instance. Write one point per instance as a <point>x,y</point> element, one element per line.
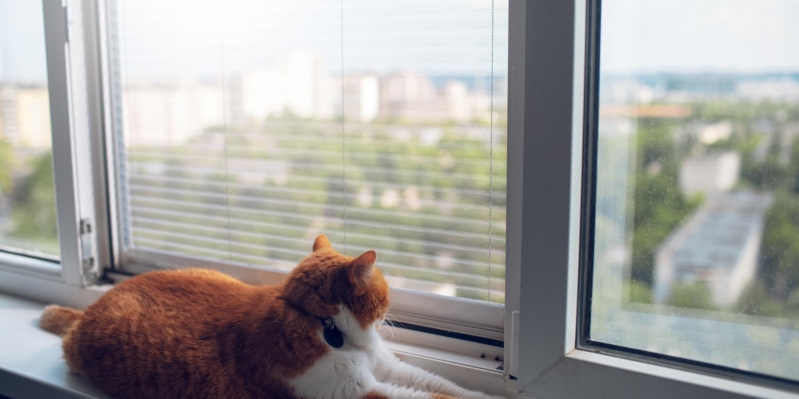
<point>298,83</point>
<point>170,114</point>
<point>412,96</point>
<point>361,97</point>
<point>25,116</point>
<point>710,173</point>
<point>718,246</point>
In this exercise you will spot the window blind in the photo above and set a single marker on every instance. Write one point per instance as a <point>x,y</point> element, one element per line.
<point>246,128</point>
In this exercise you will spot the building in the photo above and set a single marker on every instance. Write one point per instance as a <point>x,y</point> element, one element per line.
<point>170,114</point>
<point>777,88</point>
<point>297,83</point>
<point>25,116</point>
<point>361,97</point>
<point>308,88</point>
<point>408,95</point>
<point>414,97</point>
<point>260,95</point>
<point>8,114</point>
<point>710,173</point>
<point>717,246</point>
<point>710,133</point>
<point>625,90</point>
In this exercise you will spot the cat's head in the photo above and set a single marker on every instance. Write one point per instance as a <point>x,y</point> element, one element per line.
<point>327,284</point>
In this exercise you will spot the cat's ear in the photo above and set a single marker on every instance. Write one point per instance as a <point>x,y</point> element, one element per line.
<point>360,269</point>
<point>321,243</point>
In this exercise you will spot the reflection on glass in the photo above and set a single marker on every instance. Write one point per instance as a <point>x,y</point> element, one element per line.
<point>258,124</point>
<point>27,194</point>
<point>697,216</point>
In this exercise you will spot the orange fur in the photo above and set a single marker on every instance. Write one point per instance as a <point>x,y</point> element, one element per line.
<point>58,319</point>
<point>201,334</point>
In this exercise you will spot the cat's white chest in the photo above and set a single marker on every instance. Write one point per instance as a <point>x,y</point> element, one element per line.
<point>344,372</point>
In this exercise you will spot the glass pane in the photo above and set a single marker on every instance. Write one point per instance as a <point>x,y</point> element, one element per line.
<point>257,125</point>
<point>27,194</point>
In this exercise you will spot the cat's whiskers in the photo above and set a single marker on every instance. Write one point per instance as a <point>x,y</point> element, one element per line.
<point>392,325</point>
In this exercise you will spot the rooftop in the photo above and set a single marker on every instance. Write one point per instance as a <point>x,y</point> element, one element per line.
<point>715,236</point>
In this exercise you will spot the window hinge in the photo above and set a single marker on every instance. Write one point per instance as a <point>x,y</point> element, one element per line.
<point>88,267</point>
<point>67,22</point>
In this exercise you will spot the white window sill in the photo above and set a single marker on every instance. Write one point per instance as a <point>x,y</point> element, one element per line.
<point>31,361</point>
<point>32,365</point>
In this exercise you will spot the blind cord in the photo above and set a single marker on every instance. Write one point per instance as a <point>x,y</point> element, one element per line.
<point>491,154</point>
<point>343,139</point>
<point>224,129</point>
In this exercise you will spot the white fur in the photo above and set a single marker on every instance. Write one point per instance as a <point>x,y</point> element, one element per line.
<point>365,364</point>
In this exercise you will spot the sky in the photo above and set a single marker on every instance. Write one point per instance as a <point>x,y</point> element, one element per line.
<point>168,39</point>
<point>436,37</point>
<point>725,36</point>
<point>22,54</point>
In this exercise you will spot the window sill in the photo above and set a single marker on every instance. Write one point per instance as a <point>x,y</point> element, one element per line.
<point>31,362</point>
<point>32,366</point>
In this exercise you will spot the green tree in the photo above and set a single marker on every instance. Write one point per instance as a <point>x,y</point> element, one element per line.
<point>756,300</point>
<point>6,163</point>
<point>694,295</point>
<point>794,166</point>
<point>638,292</point>
<point>792,305</point>
<point>34,214</point>
<point>780,245</point>
<point>660,205</point>
<point>770,174</point>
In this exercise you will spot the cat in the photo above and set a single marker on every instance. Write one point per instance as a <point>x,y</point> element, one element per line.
<point>197,333</point>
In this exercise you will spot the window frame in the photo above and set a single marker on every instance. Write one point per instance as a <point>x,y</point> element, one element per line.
<point>550,145</point>
<point>78,71</point>
<point>545,149</point>
<point>74,182</point>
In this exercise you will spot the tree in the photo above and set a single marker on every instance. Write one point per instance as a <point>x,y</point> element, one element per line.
<point>6,163</point>
<point>694,295</point>
<point>768,175</point>
<point>638,292</point>
<point>34,214</point>
<point>780,245</point>
<point>756,300</point>
<point>660,205</point>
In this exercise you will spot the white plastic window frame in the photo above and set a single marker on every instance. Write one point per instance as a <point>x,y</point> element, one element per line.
<point>482,320</point>
<point>86,185</point>
<point>547,54</point>
<point>77,178</point>
<point>545,150</point>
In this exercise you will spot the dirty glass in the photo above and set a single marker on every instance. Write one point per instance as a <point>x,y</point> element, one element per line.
<point>696,233</point>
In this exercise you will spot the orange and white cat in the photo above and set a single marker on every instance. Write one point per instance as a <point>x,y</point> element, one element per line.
<point>201,334</point>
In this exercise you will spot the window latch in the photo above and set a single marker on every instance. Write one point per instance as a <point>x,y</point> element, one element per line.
<point>88,269</point>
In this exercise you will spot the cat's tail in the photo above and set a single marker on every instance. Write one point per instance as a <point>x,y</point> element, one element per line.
<point>59,319</point>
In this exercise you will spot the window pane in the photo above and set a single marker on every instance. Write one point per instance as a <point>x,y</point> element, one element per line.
<point>27,194</point>
<point>250,127</point>
<point>697,213</point>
